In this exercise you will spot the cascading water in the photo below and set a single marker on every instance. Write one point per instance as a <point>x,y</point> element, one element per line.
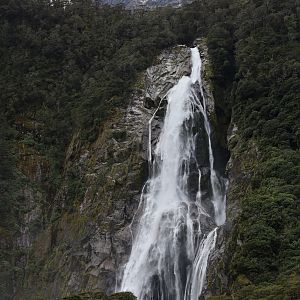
<point>170,249</point>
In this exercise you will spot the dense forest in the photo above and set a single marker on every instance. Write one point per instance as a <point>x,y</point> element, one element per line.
<point>66,67</point>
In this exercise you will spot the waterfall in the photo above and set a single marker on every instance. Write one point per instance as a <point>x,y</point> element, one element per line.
<point>171,247</point>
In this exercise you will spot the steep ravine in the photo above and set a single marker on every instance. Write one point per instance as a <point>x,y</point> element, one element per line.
<point>85,249</point>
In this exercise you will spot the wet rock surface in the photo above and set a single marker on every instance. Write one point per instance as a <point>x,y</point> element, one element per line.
<point>85,249</point>
<point>218,273</point>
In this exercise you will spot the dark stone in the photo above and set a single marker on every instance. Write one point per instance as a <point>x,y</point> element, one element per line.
<point>149,103</point>
<point>119,135</point>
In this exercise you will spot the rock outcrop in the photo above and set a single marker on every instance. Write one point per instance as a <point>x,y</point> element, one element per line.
<point>84,249</point>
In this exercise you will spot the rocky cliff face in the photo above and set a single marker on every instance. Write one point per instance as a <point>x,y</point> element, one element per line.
<point>84,249</point>
<point>219,275</point>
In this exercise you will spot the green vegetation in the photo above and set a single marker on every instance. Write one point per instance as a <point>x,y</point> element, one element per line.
<point>65,68</point>
<point>68,66</point>
<point>255,50</point>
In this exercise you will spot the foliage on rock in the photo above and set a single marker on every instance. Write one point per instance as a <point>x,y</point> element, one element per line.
<point>67,68</point>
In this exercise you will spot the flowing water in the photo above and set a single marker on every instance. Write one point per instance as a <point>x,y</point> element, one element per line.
<point>176,229</point>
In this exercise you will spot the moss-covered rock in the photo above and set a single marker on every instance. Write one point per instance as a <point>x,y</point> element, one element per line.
<point>101,296</point>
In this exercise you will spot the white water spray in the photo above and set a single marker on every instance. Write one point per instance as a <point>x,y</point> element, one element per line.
<point>170,251</point>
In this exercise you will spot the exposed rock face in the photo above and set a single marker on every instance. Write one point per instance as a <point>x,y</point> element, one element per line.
<point>163,76</point>
<point>218,276</point>
<point>206,79</point>
<point>86,248</point>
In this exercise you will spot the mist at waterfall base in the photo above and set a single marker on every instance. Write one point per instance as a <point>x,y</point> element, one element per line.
<point>177,222</point>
